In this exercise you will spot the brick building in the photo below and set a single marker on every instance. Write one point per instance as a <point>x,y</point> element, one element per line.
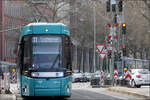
<point>11,19</point>
<point>13,15</point>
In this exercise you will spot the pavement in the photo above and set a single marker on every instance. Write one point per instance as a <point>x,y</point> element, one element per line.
<point>85,91</point>
<point>80,85</point>
<point>14,89</point>
<point>7,97</point>
<point>143,92</point>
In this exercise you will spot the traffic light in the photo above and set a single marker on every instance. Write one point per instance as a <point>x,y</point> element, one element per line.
<point>115,18</point>
<point>108,6</point>
<point>123,28</point>
<point>109,55</point>
<point>119,55</point>
<point>113,7</point>
<point>120,6</point>
<point>116,56</point>
<point>124,50</point>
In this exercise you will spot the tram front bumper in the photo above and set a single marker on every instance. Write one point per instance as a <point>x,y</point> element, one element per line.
<point>47,92</point>
<point>46,87</point>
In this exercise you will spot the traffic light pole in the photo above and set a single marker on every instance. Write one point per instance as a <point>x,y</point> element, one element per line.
<point>123,62</point>
<point>117,9</point>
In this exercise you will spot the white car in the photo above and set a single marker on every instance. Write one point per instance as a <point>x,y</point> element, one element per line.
<point>140,77</point>
<point>88,76</point>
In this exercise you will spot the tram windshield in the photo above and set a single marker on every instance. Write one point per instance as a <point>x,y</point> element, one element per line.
<point>46,52</point>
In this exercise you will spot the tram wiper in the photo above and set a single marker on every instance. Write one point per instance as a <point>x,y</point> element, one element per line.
<point>55,61</point>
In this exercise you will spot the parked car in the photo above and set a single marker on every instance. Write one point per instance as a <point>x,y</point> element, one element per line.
<point>97,74</point>
<point>140,77</point>
<point>77,77</point>
<point>88,76</point>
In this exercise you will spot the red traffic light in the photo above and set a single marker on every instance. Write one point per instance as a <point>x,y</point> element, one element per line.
<point>109,37</point>
<point>124,47</point>
<point>116,25</point>
<point>109,25</point>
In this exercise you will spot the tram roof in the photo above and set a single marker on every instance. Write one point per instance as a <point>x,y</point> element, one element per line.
<point>45,28</point>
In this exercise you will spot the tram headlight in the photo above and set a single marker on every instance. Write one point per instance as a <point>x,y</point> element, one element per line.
<point>59,74</point>
<point>34,74</point>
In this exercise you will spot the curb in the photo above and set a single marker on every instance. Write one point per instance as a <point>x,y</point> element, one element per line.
<point>6,95</point>
<point>128,93</point>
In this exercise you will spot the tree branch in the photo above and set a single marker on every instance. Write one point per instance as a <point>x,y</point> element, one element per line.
<point>147,4</point>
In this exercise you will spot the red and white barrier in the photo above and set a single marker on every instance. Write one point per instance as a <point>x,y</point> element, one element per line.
<point>128,74</point>
<point>5,82</point>
<point>2,81</point>
<point>102,78</point>
<point>14,80</point>
<point>115,73</point>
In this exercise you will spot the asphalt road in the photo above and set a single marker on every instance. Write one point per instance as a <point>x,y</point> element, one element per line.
<point>83,94</point>
<point>80,94</point>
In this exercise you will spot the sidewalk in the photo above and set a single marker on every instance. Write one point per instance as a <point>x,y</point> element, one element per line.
<point>7,97</point>
<point>13,88</point>
<point>144,91</point>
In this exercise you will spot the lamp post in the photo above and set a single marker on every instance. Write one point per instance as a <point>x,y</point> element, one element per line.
<point>94,27</point>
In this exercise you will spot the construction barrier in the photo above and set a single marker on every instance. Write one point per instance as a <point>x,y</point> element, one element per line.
<point>5,76</point>
<point>102,78</point>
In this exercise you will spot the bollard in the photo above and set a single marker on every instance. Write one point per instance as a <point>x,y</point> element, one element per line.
<point>2,82</point>
<point>7,82</point>
<point>13,77</point>
<point>102,79</point>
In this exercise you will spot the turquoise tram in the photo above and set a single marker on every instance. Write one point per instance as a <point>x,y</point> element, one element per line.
<point>44,60</point>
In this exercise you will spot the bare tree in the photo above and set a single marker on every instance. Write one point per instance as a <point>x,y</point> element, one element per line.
<point>49,10</point>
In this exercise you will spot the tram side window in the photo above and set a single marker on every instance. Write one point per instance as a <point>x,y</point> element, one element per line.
<point>67,53</point>
<point>26,58</point>
<point>19,58</point>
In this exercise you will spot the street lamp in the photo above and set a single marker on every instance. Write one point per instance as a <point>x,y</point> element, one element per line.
<point>94,26</point>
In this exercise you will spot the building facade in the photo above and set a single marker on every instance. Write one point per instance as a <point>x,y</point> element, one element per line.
<point>14,14</point>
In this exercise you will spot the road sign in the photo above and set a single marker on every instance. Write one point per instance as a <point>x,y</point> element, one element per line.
<point>128,74</point>
<point>116,37</point>
<point>115,73</point>
<point>102,55</point>
<point>100,47</point>
<point>109,47</point>
<point>104,51</point>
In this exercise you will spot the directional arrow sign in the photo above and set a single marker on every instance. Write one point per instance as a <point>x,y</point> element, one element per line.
<point>100,47</point>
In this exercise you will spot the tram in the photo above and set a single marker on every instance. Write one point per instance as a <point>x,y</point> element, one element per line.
<point>44,60</point>
<point>131,63</point>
